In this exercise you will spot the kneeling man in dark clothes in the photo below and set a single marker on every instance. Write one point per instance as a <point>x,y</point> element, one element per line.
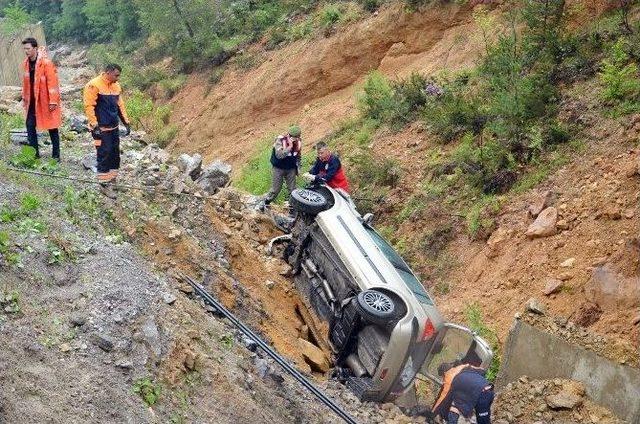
<point>464,390</point>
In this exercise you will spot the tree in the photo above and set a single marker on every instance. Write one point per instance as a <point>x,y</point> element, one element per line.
<point>73,21</point>
<point>15,17</point>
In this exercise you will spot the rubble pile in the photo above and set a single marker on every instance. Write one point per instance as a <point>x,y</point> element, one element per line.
<point>614,350</point>
<point>547,402</point>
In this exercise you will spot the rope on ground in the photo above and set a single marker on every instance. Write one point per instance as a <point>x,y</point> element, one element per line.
<point>150,189</point>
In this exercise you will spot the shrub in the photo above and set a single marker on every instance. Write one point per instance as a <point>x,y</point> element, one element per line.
<point>619,77</point>
<point>377,100</point>
<point>436,241</point>
<point>414,5</point>
<point>299,30</point>
<point>26,158</point>
<point>453,114</point>
<point>172,85</point>
<point>15,17</point>
<point>371,171</point>
<point>148,391</point>
<point>480,218</point>
<point>330,15</point>
<point>139,107</point>
<point>165,135</point>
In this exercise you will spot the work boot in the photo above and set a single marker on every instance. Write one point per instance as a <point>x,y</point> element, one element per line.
<point>107,190</point>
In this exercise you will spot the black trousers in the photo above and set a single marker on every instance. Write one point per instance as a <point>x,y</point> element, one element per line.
<point>483,409</point>
<point>108,153</point>
<point>32,134</point>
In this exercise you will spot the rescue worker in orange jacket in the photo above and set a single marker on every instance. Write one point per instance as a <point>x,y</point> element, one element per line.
<point>104,108</point>
<point>464,389</point>
<point>41,96</point>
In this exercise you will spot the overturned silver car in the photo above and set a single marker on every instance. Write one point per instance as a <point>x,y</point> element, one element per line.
<point>384,328</point>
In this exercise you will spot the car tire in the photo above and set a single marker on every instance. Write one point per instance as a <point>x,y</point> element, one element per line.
<point>375,307</point>
<point>307,201</point>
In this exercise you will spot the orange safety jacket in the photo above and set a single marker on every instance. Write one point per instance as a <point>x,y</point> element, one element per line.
<point>46,91</point>
<point>461,388</point>
<point>103,104</point>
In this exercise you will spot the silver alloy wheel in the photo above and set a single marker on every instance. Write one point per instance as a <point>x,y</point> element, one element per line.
<point>311,196</point>
<point>378,301</point>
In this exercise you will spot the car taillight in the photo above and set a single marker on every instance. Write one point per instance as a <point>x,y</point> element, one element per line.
<point>383,374</point>
<point>428,331</point>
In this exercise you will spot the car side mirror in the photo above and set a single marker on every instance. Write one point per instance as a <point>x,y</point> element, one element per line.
<point>367,218</point>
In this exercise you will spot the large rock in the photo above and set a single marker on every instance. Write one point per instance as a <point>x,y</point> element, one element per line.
<point>611,290</point>
<point>78,123</point>
<point>10,96</point>
<point>535,306</point>
<point>214,176</point>
<point>553,286</point>
<point>539,204</point>
<point>18,136</point>
<point>498,239</point>
<point>544,225</point>
<point>154,154</point>
<point>563,400</point>
<point>314,356</point>
<point>190,165</point>
<point>569,397</point>
<point>89,162</point>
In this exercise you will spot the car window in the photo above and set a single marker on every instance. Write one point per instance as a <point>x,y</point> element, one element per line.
<point>401,267</point>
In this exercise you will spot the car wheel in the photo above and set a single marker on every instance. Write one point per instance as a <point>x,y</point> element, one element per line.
<point>375,307</point>
<point>308,201</point>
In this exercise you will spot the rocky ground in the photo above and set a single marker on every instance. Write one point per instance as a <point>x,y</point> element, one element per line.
<point>89,321</point>
<point>94,314</point>
<point>93,310</point>
<point>548,402</point>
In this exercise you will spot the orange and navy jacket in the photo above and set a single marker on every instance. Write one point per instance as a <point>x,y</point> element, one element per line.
<point>103,104</point>
<point>330,173</point>
<point>461,389</point>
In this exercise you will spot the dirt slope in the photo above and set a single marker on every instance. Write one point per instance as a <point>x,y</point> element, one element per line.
<point>596,195</point>
<point>314,81</point>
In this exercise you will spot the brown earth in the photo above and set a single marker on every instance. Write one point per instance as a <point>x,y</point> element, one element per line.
<point>595,193</point>
<point>313,82</point>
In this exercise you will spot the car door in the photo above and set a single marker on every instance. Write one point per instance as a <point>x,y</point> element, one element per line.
<point>456,343</point>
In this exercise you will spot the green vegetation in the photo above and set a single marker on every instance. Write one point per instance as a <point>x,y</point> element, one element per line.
<point>227,341</point>
<point>148,391</point>
<point>15,18</point>
<point>620,79</point>
<point>475,321</point>
<point>10,301</point>
<point>7,123</point>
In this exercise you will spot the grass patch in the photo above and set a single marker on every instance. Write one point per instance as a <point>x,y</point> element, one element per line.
<point>475,321</point>
<point>7,123</point>
<point>255,176</point>
<point>481,217</point>
<point>148,391</point>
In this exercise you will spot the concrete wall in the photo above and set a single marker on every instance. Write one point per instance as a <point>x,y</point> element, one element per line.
<point>540,355</point>
<point>12,56</point>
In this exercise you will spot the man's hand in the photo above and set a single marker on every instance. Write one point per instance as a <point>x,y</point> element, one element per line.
<point>96,133</point>
<point>127,129</point>
<point>308,177</point>
<point>52,107</point>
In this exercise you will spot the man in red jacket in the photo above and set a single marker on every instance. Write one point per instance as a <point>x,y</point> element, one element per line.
<point>327,169</point>
<point>41,96</point>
